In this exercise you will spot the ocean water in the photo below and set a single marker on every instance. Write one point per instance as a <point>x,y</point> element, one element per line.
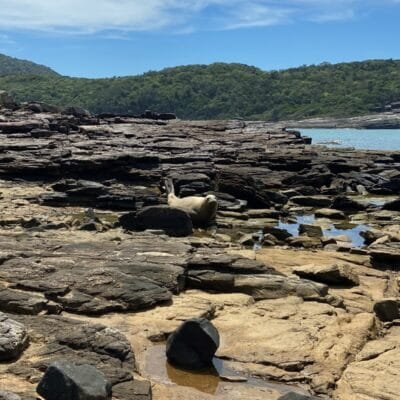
<point>371,139</point>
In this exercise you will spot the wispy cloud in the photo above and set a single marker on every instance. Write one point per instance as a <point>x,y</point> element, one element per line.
<point>93,16</point>
<point>6,39</point>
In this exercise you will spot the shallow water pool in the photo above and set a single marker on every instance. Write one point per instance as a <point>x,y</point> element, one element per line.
<point>353,231</point>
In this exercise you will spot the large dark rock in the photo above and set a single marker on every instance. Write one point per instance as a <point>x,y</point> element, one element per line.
<point>386,256</point>
<point>392,205</point>
<point>13,338</point>
<point>172,221</point>
<point>66,381</point>
<point>387,309</point>
<point>193,344</point>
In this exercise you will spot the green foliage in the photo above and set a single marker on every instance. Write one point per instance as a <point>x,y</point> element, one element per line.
<point>225,90</point>
<point>9,65</point>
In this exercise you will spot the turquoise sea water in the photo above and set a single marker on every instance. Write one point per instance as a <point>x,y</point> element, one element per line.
<point>372,139</point>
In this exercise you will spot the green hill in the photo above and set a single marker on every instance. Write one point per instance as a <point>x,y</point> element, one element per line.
<point>10,65</point>
<point>225,90</point>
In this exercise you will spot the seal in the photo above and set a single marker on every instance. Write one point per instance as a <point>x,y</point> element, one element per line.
<point>202,210</point>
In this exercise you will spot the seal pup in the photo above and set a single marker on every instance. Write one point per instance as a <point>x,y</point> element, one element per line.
<point>202,210</point>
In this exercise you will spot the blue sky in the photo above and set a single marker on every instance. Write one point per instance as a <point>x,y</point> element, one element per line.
<point>101,38</point>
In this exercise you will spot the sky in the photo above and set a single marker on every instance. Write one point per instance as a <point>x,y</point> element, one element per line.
<point>104,38</point>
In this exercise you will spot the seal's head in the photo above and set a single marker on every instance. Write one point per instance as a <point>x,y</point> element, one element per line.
<point>211,199</point>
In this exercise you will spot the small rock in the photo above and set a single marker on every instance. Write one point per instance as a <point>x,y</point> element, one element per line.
<point>89,226</point>
<point>330,213</point>
<point>233,378</point>
<point>193,344</point>
<point>313,231</point>
<point>330,275</point>
<point>247,240</point>
<point>297,396</point>
<point>347,204</point>
<point>133,390</point>
<point>387,309</point>
<point>65,381</point>
<point>305,241</point>
<point>340,238</point>
<point>278,233</point>
<point>13,338</point>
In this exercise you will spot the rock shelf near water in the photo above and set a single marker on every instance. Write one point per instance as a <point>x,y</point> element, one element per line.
<point>300,274</point>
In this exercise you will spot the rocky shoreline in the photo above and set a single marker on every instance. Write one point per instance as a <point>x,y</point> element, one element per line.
<point>384,120</point>
<point>300,275</point>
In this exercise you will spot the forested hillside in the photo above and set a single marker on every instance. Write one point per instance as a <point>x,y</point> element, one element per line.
<point>225,90</point>
<point>10,65</point>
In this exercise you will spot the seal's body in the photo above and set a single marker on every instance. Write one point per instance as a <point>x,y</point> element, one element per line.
<point>202,210</point>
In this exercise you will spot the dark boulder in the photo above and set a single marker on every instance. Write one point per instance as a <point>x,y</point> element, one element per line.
<point>392,205</point>
<point>387,309</point>
<point>172,221</point>
<point>391,186</point>
<point>193,344</point>
<point>66,381</point>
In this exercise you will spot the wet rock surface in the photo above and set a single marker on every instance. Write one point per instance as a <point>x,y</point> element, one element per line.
<point>300,274</point>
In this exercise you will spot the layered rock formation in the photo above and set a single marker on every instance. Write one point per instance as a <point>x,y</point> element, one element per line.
<point>96,270</point>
